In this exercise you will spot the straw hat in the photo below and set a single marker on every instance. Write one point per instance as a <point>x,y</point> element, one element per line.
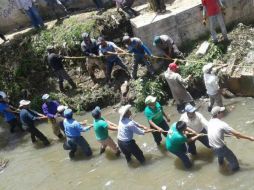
<point>189,108</point>
<point>45,96</point>
<point>24,103</point>
<point>122,111</point>
<point>61,108</point>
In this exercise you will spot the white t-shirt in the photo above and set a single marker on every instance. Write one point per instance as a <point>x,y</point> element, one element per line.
<point>216,131</point>
<point>197,124</point>
<point>211,83</point>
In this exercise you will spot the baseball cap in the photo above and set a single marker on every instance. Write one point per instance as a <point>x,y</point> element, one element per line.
<point>156,40</point>
<point>96,111</point>
<point>68,113</point>
<point>150,99</point>
<point>173,67</point>
<point>189,108</point>
<point>3,94</point>
<point>207,67</point>
<point>126,38</point>
<point>24,103</point>
<point>61,108</point>
<point>85,35</point>
<point>122,111</point>
<point>216,110</point>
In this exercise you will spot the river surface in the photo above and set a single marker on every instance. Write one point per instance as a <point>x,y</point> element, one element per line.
<point>35,167</point>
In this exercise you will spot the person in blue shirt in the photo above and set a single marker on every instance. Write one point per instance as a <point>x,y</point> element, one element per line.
<point>49,109</point>
<point>141,54</point>
<point>73,131</point>
<point>9,115</point>
<point>27,117</point>
<point>110,50</point>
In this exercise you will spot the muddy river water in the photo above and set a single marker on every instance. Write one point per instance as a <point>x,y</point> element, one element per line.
<point>35,167</point>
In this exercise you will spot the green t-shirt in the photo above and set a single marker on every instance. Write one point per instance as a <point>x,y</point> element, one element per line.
<point>101,129</point>
<point>156,115</point>
<point>175,140</point>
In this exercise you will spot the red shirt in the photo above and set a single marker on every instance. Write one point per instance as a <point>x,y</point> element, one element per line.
<point>212,7</point>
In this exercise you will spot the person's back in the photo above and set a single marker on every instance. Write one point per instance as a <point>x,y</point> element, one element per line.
<point>216,130</point>
<point>27,117</point>
<point>175,139</point>
<point>194,123</point>
<point>100,129</point>
<point>7,115</point>
<point>72,128</point>
<point>211,83</point>
<point>55,61</point>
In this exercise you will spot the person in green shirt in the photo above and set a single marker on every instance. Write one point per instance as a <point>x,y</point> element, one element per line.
<point>155,116</point>
<point>101,127</point>
<point>176,141</point>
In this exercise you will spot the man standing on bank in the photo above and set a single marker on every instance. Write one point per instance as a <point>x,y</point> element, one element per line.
<point>27,117</point>
<point>110,50</point>
<point>216,131</point>
<point>55,61</point>
<point>49,109</point>
<point>126,130</point>
<point>141,53</point>
<point>155,116</point>
<point>167,47</point>
<point>213,10</point>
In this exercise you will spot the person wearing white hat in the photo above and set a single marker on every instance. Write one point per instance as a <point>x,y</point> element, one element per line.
<point>9,114</point>
<point>27,117</point>
<point>211,80</point>
<point>49,108</point>
<point>60,116</point>
<point>216,131</point>
<point>127,128</point>
<point>156,118</point>
<point>196,122</point>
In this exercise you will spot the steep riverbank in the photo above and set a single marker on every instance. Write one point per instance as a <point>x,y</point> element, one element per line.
<point>25,73</point>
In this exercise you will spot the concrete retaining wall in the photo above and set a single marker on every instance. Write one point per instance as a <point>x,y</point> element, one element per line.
<point>185,23</point>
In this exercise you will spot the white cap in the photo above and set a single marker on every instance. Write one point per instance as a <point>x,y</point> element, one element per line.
<point>122,111</point>
<point>216,110</point>
<point>3,94</point>
<point>207,67</point>
<point>45,96</point>
<point>24,103</point>
<point>150,99</point>
<point>189,108</point>
<point>61,108</point>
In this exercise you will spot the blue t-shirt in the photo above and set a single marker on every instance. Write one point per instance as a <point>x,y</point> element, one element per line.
<point>8,116</point>
<point>72,128</point>
<point>110,47</point>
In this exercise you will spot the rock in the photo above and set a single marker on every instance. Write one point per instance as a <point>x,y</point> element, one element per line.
<point>203,48</point>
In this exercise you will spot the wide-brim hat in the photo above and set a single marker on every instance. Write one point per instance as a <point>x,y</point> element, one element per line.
<point>61,108</point>
<point>24,103</point>
<point>3,94</point>
<point>207,67</point>
<point>45,97</point>
<point>122,111</point>
<point>216,110</point>
<point>150,99</point>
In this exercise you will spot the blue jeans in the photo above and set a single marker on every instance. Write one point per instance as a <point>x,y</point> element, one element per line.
<point>80,141</point>
<point>229,155</point>
<point>35,17</point>
<point>140,58</point>
<point>110,65</point>
<point>204,140</point>
<point>212,23</point>
<point>157,135</point>
<point>183,156</point>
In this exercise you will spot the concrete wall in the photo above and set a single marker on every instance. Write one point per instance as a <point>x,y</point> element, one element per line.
<point>11,18</point>
<point>186,23</point>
